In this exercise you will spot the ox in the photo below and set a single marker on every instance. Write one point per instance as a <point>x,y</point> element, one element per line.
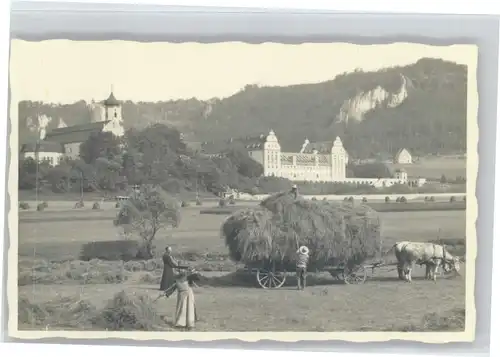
<point>432,255</point>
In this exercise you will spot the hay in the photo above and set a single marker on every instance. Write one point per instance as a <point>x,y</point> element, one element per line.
<point>128,312</point>
<point>71,312</point>
<point>270,234</point>
<point>125,312</point>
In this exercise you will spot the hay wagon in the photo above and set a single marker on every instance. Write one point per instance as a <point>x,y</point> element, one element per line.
<point>271,277</point>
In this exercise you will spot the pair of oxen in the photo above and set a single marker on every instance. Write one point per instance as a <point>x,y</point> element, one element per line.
<point>433,256</point>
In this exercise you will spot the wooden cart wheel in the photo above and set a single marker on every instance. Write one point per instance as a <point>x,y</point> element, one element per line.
<point>270,280</point>
<point>356,275</point>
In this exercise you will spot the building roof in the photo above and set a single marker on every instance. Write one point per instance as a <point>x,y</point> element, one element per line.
<point>253,142</point>
<point>400,151</point>
<point>44,146</point>
<point>319,146</point>
<point>248,142</point>
<point>111,101</point>
<point>76,133</point>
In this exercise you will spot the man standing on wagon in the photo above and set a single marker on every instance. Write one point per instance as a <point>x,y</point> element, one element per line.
<point>301,265</point>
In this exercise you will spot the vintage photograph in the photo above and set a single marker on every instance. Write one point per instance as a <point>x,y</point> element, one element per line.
<point>242,188</point>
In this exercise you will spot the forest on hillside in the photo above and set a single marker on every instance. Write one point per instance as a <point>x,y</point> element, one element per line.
<point>431,120</point>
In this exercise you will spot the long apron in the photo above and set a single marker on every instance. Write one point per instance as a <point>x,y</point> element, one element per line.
<point>185,311</point>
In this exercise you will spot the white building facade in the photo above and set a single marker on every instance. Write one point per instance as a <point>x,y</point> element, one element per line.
<point>403,156</point>
<point>314,162</point>
<point>48,151</point>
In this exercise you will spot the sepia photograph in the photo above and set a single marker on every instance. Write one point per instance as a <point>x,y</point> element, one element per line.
<point>199,191</point>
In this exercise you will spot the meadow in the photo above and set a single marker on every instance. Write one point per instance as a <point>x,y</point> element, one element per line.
<point>49,270</point>
<point>435,167</point>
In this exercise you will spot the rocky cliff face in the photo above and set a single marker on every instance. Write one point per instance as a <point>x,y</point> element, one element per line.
<point>356,108</point>
<point>37,126</point>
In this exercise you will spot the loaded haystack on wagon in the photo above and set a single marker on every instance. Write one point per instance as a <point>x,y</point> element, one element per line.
<point>340,237</point>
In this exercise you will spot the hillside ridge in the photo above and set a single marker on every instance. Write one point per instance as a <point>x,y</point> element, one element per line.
<point>421,106</point>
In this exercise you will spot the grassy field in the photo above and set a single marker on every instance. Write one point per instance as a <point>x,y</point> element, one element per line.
<point>433,168</point>
<point>382,303</point>
<point>376,305</point>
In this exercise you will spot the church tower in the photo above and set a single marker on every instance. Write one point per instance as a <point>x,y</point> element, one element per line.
<point>112,109</point>
<point>339,160</point>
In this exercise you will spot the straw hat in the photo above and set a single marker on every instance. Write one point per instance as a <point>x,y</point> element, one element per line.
<point>304,250</point>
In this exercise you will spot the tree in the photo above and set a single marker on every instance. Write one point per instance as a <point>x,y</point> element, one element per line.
<point>443,179</point>
<point>107,173</point>
<point>59,177</point>
<point>146,213</point>
<point>245,164</point>
<point>371,170</point>
<point>28,173</point>
<point>101,144</point>
<point>157,148</point>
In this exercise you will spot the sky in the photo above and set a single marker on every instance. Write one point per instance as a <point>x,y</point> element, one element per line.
<point>63,71</point>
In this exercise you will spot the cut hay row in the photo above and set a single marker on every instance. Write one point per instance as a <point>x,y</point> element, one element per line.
<point>124,312</point>
<point>268,236</point>
<point>103,272</point>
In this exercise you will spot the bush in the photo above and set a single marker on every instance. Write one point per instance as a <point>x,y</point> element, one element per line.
<point>96,205</point>
<point>45,204</point>
<point>351,199</point>
<point>432,198</point>
<point>222,202</point>
<point>387,199</point>
<point>40,207</point>
<point>24,205</point>
<point>398,199</point>
<point>313,199</point>
<point>110,250</point>
<point>365,200</point>
<point>324,199</point>
<point>426,198</point>
<point>403,199</point>
<point>452,199</point>
<point>345,199</point>
<point>185,204</point>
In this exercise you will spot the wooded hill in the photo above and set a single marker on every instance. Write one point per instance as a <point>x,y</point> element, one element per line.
<point>431,119</point>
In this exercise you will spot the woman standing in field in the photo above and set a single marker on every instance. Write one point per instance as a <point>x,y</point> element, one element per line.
<point>185,310</point>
